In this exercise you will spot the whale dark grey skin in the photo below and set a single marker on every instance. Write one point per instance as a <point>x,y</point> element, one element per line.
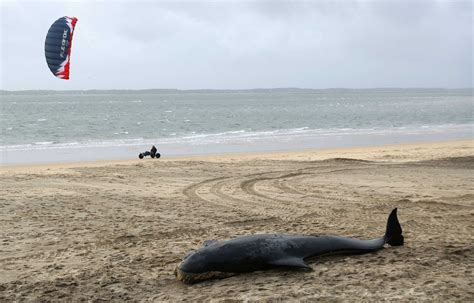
<point>260,252</point>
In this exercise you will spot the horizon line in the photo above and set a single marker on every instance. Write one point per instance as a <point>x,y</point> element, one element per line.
<point>235,89</point>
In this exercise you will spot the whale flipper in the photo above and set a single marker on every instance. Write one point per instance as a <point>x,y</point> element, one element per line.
<point>291,262</point>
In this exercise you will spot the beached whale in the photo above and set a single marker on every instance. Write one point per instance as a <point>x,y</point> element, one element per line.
<point>260,252</point>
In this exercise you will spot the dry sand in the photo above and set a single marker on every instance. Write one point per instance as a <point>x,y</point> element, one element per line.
<point>115,231</point>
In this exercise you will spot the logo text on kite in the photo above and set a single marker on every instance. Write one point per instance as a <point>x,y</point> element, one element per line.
<point>63,43</point>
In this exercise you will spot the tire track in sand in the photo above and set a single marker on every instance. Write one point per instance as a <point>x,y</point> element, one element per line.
<point>211,186</point>
<point>215,191</point>
<point>249,186</point>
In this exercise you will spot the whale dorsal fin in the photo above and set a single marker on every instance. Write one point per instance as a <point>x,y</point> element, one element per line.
<point>291,262</point>
<point>209,242</point>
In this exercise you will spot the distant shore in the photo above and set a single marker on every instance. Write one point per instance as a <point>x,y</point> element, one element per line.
<point>250,90</point>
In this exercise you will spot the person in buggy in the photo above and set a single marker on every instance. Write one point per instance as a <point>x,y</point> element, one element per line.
<point>152,153</point>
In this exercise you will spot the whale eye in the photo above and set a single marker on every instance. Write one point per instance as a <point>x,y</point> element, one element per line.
<point>209,242</point>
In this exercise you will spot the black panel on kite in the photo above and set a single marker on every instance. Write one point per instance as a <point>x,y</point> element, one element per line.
<point>57,47</point>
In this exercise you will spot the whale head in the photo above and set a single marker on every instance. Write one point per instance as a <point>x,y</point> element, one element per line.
<point>196,267</point>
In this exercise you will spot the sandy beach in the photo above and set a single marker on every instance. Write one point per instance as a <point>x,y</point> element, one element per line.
<point>114,231</point>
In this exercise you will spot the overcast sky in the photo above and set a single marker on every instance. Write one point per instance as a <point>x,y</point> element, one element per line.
<point>242,44</point>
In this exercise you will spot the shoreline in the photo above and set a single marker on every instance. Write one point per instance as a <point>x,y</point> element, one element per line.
<point>384,153</point>
<point>239,143</point>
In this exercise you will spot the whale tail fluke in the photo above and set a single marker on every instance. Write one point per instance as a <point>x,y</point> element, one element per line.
<point>393,234</point>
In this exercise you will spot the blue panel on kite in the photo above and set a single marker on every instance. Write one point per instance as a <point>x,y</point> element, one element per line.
<point>58,45</point>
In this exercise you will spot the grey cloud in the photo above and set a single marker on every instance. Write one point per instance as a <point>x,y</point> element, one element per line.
<point>244,44</point>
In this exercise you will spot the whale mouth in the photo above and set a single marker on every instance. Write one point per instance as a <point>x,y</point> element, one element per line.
<point>190,278</point>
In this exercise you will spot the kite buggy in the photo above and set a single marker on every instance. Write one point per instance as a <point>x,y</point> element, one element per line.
<point>152,153</point>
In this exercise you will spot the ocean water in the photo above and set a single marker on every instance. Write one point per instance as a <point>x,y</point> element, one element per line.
<point>42,126</point>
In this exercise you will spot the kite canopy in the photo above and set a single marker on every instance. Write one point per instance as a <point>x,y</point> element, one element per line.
<point>58,44</point>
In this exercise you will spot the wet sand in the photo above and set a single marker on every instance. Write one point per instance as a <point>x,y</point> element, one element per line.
<point>114,231</point>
